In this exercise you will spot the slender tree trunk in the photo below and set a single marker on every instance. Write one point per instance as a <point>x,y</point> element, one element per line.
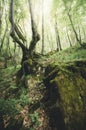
<point>74,30</point>
<point>35,35</point>
<point>72,25</point>
<point>42,27</point>
<point>84,31</point>
<point>80,34</point>
<point>76,35</point>
<point>4,35</point>
<point>1,14</point>
<point>50,41</point>
<point>69,38</point>
<point>57,37</point>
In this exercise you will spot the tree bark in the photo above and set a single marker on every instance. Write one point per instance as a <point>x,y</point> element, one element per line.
<point>35,35</point>
<point>57,37</point>
<point>80,38</point>
<point>4,35</point>
<point>1,14</point>
<point>76,35</point>
<point>15,32</point>
<point>69,38</point>
<point>18,37</point>
<point>72,25</point>
<point>42,27</point>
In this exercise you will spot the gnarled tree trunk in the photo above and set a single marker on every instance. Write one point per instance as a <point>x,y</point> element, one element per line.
<point>18,37</point>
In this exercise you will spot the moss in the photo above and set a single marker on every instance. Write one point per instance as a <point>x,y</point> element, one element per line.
<point>70,81</point>
<point>69,54</point>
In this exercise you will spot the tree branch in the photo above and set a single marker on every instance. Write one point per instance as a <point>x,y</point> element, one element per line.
<point>15,30</point>
<point>35,35</point>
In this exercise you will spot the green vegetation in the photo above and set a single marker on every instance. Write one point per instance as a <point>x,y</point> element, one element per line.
<point>8,107</point>
<point>34,118</point>
<point>15,98</point>
<point>69,54</point>
<point>69,71</point>
<point>66,85</point>
<point>42,64</point>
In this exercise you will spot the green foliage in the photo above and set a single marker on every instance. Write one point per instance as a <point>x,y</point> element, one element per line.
<point>10,71</point>
<point>81,3</point>
<point>31,128</point>
<point>34,118</point>
<point>70,90</point>
<point>24,100</point>
<point>5,53</point>
<point>74,53</point>
<point>8,107</point>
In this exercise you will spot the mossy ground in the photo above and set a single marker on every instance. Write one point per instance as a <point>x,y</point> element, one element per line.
<point>70,54</point>
<point>29,105</point>
<point>68,81</point>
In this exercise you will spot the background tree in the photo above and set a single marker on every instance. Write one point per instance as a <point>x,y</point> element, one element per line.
<point>57,37</point>
<point>51,7</point>
<point>42,26</point>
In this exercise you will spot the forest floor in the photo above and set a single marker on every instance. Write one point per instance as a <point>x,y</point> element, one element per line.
<point>26,107</point>
<point>29,101</point>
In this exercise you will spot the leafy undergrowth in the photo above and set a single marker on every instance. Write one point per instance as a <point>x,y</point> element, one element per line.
<point>70,54</point>
<point>25,106</point>
<point>21,107</point>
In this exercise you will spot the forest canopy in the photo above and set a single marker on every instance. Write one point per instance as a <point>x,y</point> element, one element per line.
<point>50,16</point>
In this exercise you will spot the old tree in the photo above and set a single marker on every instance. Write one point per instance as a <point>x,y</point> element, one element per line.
<point>28,54</point>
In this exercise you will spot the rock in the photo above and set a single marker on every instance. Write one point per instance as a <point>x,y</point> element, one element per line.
<point>66,89</point>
